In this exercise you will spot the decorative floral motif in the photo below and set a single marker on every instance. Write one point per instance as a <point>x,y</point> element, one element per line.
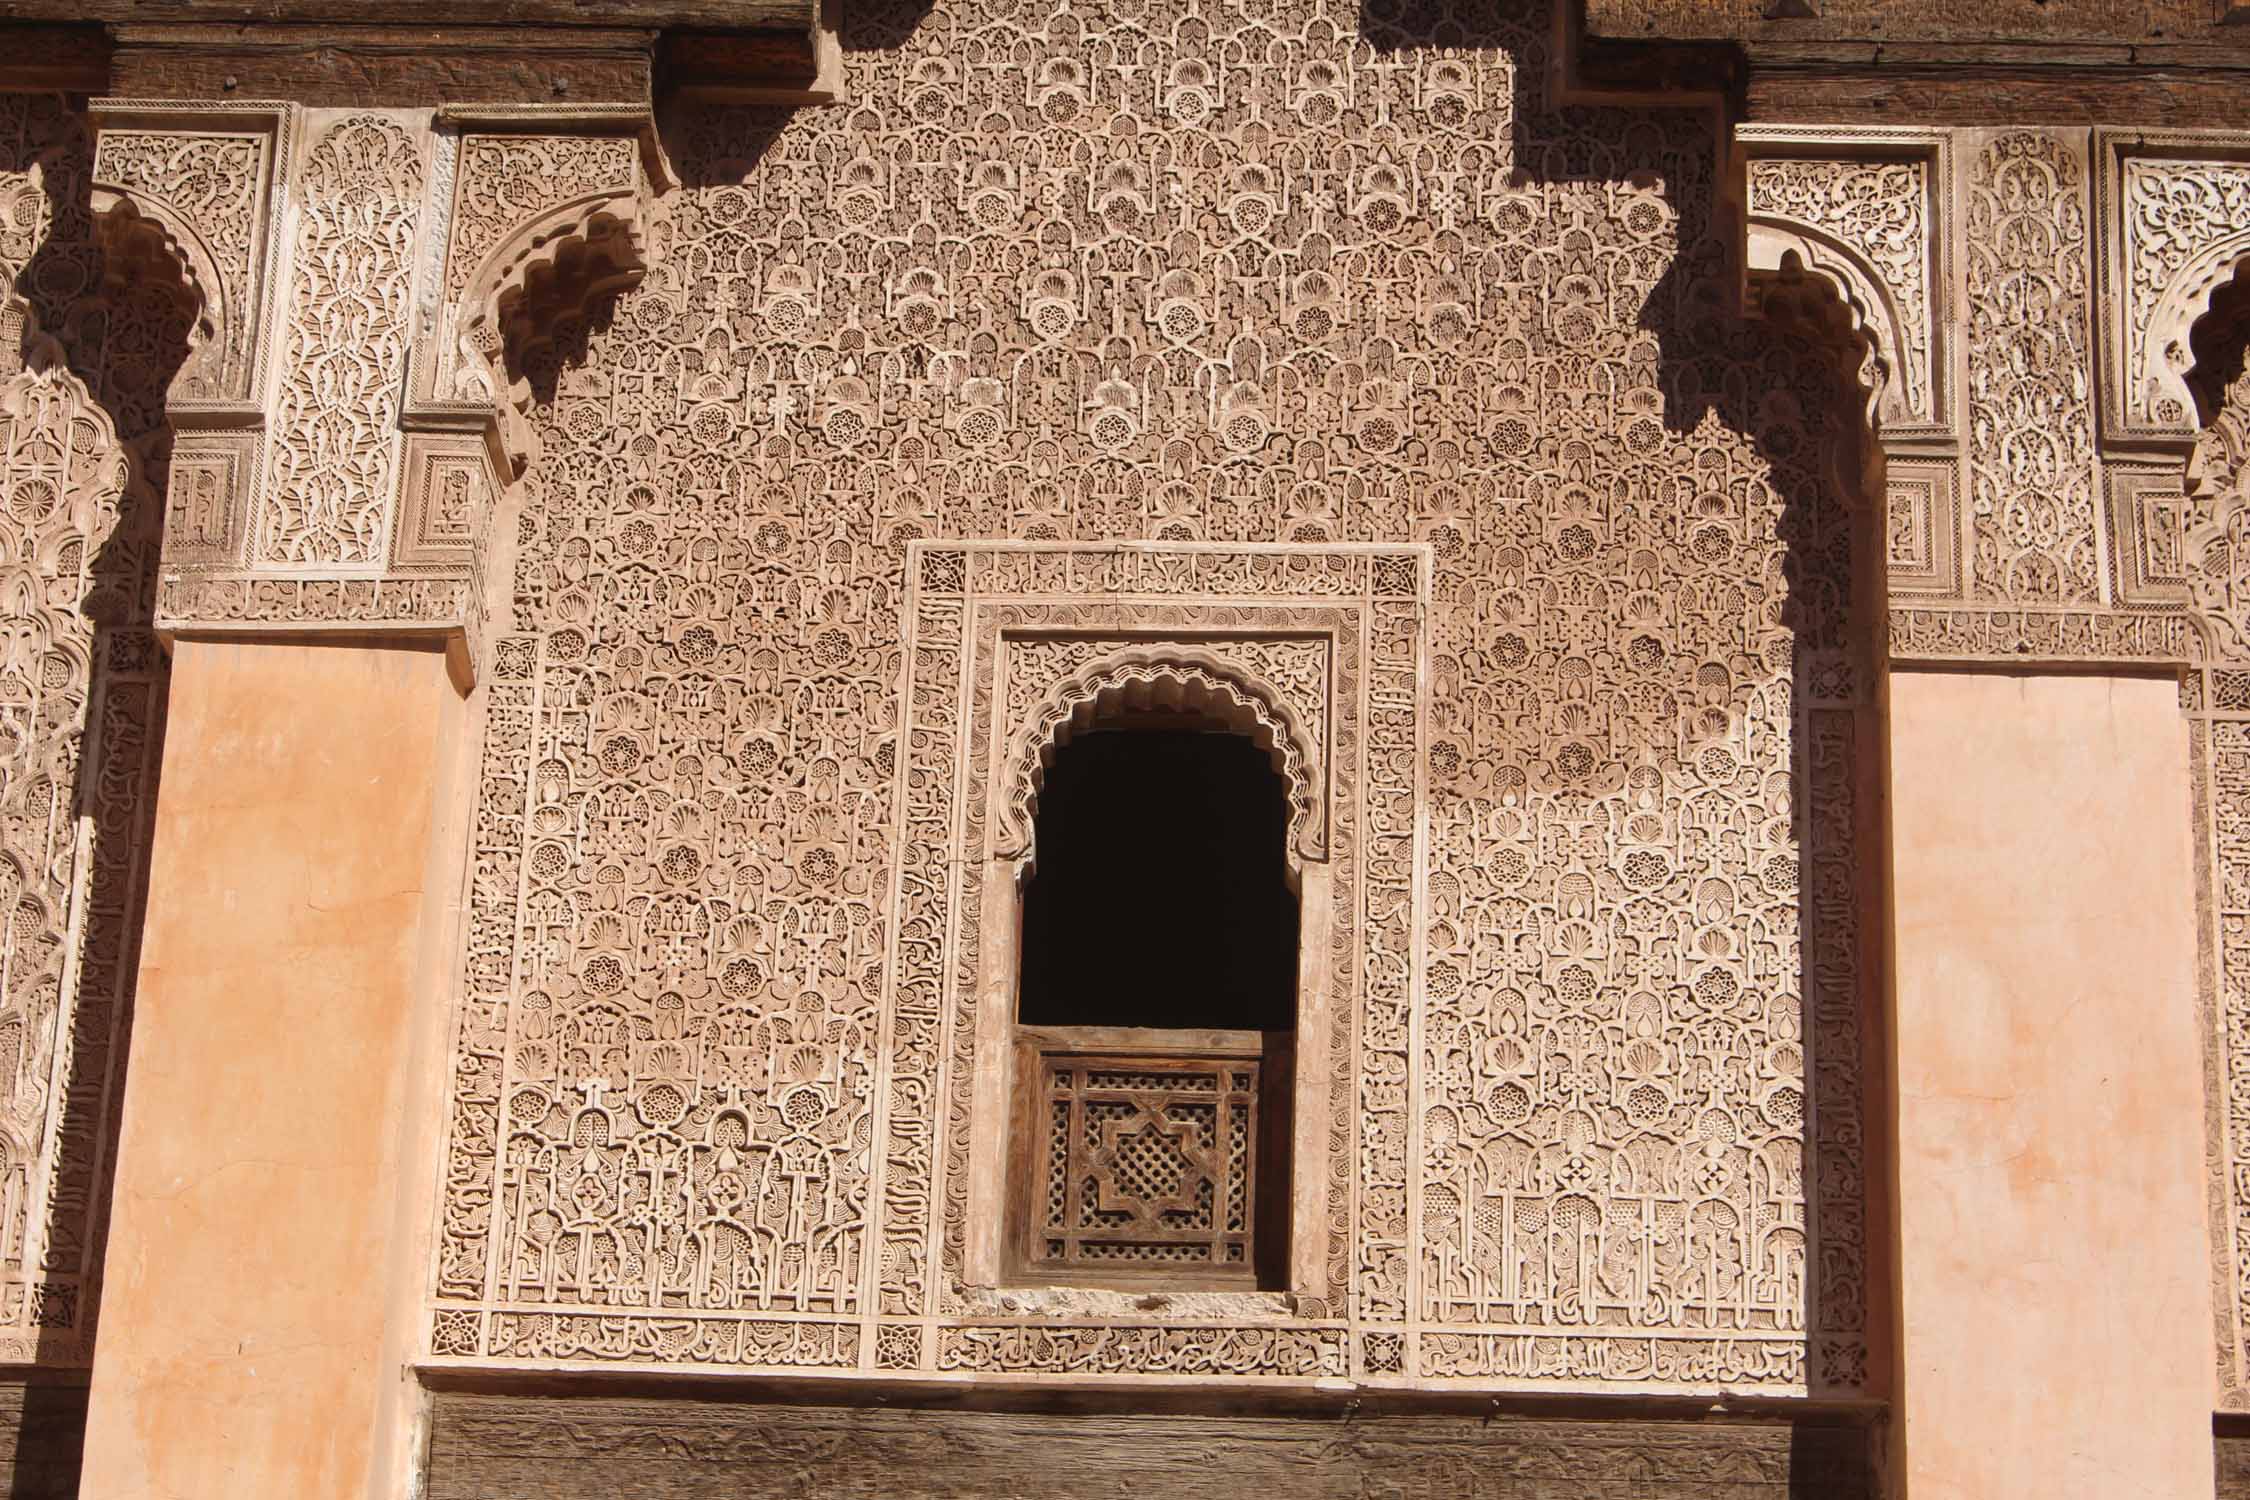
<point>81,704</point>
<point>2031,426</point>
<point>335,444</point>
<point>1376,294</point>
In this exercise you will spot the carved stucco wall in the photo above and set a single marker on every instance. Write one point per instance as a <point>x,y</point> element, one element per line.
<point>84,361</point>
<point>1206,276</point>
<point>1207,279</point>
<point>148,389</point>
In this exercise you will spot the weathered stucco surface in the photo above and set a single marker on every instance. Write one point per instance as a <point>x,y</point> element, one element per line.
<point>2050,1136</point>
<point>253,1234</point>
<point>778,478</point>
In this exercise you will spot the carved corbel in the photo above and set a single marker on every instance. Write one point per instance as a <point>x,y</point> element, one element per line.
<point>538,216</point>
<point>196,187</point>
<point>1862,214</point>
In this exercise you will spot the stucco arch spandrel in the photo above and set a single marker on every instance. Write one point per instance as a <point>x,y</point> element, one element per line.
<point>602,227</point>
<point>533,202</point>
<point>1193,681</point>
<point>194,184</point>
<point>1863,210</point>
<point>2172,209</point>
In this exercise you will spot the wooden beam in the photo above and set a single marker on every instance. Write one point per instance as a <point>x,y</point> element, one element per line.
<point>683,1448</point>
<point>1755,23</point>
<point>718,15</point>
<point>397,66</point>
<point>53,60</point>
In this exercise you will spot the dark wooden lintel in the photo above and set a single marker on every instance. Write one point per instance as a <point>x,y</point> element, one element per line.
<point>538,1445</point>
<point>719,15</point>
<point>53,59</point>
<point>390,58</point>
<point>399,66</point>
<point>2203,99</point>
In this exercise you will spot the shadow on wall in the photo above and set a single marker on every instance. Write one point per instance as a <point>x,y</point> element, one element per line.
<point>1789,384</point>
<point>83,682</point>
<point>1646,1013</point>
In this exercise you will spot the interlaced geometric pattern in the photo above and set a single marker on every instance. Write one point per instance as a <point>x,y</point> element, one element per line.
<point>1145,1162</point>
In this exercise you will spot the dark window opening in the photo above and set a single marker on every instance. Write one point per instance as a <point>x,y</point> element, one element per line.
<point>1155,1056</point>
<point>1160,895</point>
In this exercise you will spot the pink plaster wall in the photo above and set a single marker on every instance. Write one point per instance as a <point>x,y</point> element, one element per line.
<point>245,1347</point>
<point>2054,1270</point>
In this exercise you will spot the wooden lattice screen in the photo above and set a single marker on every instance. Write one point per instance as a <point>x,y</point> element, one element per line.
<point>1140,1162</point>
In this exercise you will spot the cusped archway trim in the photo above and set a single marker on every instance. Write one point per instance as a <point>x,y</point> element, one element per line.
<point>1193,682</point>
<point>599,230</point>
<point>1885,376</point>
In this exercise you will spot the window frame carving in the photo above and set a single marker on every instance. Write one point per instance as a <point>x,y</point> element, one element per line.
<point>1034,724</point>
<point>943,1161</point>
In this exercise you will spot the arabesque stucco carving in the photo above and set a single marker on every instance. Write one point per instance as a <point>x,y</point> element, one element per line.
<point>1166,328</point>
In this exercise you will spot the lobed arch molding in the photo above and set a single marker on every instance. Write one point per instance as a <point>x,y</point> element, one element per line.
<point>1196,683</point>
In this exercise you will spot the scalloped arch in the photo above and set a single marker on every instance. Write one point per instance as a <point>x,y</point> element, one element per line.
<point>1189,681</point>
<point>1886,377</point>
<point>125,221</point>
<point>603,224</point>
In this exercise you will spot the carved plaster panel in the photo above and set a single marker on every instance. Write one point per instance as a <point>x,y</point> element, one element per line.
<point>75,755</point>
<point>715,1054</point>
<point>328,494</point>
<point>1922,526</point>
<point>335,461</point>
<point>2033,520</point>
<point>81,705</point>
<point>1869,210</point>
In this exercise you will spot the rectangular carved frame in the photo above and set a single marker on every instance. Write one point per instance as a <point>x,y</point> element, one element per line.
<point>992,629</point>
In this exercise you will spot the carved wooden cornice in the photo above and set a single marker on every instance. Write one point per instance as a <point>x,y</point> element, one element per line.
<point>2174,62</point>
<point>404,53</point>
<point>730,15</point>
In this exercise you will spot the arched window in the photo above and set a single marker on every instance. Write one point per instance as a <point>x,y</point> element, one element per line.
<point>1163,847</point>
<point>1155,1006</point>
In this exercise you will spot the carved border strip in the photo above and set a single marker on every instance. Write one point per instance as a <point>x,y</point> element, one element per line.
<point>2217,704</point>
<point>963,598</point>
